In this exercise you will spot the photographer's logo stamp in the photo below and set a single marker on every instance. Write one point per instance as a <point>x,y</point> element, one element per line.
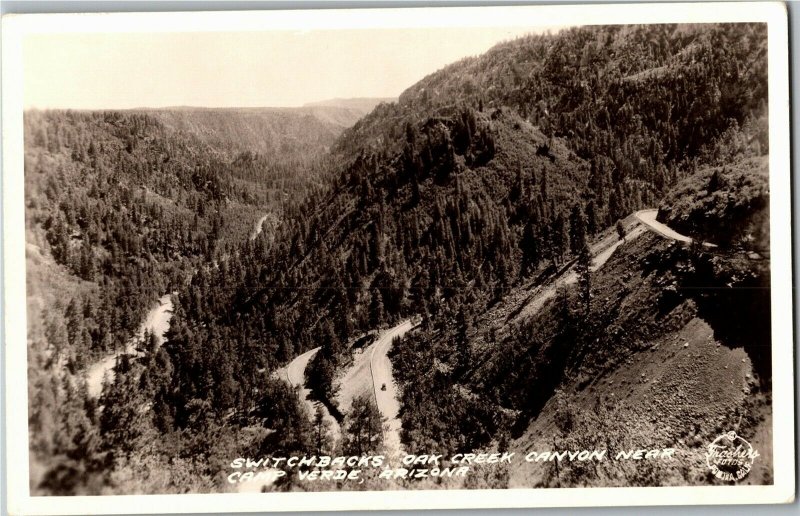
<point>730,457</point>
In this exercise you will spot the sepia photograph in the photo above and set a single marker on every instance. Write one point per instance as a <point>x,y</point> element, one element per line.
<point>398,253</point>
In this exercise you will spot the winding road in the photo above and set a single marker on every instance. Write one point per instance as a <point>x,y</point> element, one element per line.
<point>371,370</point>
<point>381,371</point>
<point>295,375</point>
<point>156,321</point>
<point>648,217</point>
<point>296,371</point>
<point>258,227</point>
<point>602,251</point>
<point>375,363</point>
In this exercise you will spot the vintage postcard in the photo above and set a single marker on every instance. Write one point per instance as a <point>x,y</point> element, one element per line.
<point>397,259</point>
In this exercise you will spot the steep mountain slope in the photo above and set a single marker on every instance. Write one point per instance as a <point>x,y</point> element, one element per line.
<point>668,346</point>
<point>671,355</point>
<point>497,166</point>
<point>121,208</point>
<point>725,204</point>
<point>483,183</point>
<point>116,213</point>
<point>642,99</point>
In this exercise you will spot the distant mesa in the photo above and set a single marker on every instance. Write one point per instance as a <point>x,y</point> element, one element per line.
<point>364,104</point>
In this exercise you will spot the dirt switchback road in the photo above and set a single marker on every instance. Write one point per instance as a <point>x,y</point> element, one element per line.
<point>258,227</point>
<point>601,252</point>
<point>157,322</point>
<point>648,217</point>
<point>370,371</point>
<point>295,375</point>
<point>296,371</point>
<point>381,371</point>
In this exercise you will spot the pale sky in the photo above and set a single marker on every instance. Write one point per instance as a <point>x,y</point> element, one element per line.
<point>240,69</point>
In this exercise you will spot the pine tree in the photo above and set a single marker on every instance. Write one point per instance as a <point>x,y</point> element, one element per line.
<point>122,420</point>
<point>577,229</point>
<point>620,230</point>
<point>560,239</point>
<point>364,427</point>
<point>74,321</point>
<point>376,310</point>
<point>714,182</point>
<point>462,351</point>
<point>322,426</point>
<point>591,218</point>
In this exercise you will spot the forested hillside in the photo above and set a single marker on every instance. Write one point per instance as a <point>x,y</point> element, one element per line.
<point>485,180</point>
<point>484,173</point>
<point>120,210</point>
<point>727,205</point>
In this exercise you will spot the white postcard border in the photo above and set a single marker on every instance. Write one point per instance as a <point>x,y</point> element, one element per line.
<point>16,27</point>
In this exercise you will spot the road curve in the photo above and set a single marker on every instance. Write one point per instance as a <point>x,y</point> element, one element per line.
<point>156,321</point>
<point>608,246</point>
<point>648,218</point>
<point>381,370</point>
<point>296,370</point>
<point>359,381</point>
<point>258,227</point>
<point>601,252</point>
<point>295,375</point>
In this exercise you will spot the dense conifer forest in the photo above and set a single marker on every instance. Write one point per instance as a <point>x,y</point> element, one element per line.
<point>485,178</point>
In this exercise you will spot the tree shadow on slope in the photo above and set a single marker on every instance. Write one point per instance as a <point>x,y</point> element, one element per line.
<point>733,295</point>
<point>731,291</point>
